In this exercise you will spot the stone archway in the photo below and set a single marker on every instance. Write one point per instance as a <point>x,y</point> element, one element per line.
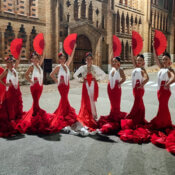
<point>83,46</point>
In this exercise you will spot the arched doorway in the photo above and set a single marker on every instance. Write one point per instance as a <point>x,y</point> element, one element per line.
<point>83,46</point>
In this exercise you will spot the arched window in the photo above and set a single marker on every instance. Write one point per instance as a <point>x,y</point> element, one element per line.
<point>158,21</point>
<point>112,4</point>
<point>132,20</point>
<point>123,51</point>
<point>167,24</point>
<point>22,34</point>
<point>61,12</point>
<point>9,35</point>
<point>127,51</point>
<point>155,20</point>
<point>127,23</point>
<point>123,23</point>
<point>103,22</point>
<point>161,22</point>
<point>83,9</point>
<point>118,21</point>
<point>76,9</point>
<point>32,36</point>
<point>90,12</point>
<point>121,1</point>
<point>164,23</point>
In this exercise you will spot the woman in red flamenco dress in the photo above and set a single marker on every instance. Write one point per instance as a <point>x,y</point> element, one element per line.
<point>90,74</point>
<point>161,125</point>
<point>133,126</point>
<point>11,106</point>
<point>65,114</point>
<point>36,120</point>
<point>111,123</point>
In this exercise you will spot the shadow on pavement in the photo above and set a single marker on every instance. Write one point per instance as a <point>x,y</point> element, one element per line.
<point>102,138</point>
<point>16,137</point>
<point>51,137</point>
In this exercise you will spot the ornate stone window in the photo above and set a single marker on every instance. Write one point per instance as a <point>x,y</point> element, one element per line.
<point>22,34</point>
<point>32,36</point>
<point>123,23</point>
<point>118,21</point>
<point>33,8</point>
<point>90,12</point>
<point>83,9</point>
<point>76,9</point>
<point>9,35</point>
<point>61,12</point>
<point>127,23</point>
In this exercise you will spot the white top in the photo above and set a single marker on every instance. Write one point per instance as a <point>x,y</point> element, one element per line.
<point>136,75</point>
<point>12,76</point>
<point>37,74</point>
<point>114,78</point>
<point>63,73</point>
<point>162,76</point>
<point>96,72</point>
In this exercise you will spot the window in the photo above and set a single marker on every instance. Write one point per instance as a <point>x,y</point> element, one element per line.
<point>76,9</point>
<point>83,9</point>
<point>90,14</point>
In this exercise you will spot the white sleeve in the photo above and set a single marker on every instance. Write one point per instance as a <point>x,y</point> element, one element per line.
<point>100,74</point>
<point>77,73</point>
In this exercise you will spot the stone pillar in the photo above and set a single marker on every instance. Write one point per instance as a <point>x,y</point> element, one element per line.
<point>109,33</point>
<point>147,33</point>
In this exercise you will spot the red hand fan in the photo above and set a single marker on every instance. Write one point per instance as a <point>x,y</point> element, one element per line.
<point>2,87</point>
<point>137,43</point>
<point>38,43</point>
<point>69,43</point>
<point>117,47</point>
<point>15,47</point>
<point>160,42</point>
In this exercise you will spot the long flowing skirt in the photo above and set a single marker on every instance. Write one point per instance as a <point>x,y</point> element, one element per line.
<point>87,112</point>
<point>111,123</point>
<point>134,127</point>
<point>36,120</point>
<point>65,114</point>
<point>11,111</point>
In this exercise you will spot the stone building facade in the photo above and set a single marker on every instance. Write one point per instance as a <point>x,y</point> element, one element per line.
<point>98,20</point>
<point>95,22</point>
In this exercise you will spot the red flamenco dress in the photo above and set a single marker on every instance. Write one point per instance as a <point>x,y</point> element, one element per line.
<point>162,128</point>
<point>133,127</point>
<point>36,120</point>
<point>65,114</point>
<point>11,109</point>
<point>87,114</point>
<point>111,123</point>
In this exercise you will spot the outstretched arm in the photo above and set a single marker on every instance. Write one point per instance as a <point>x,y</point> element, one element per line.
<point>157,59</point>
<point>71,57</point>
<point>171,78</point>
<point>133,58</point>
<point>111,56</point>
<point>53,73</point>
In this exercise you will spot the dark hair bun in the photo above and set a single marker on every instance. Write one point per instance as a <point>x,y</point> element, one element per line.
<point>117,58</point>
<point>141,55</point>
<point>167,54</point>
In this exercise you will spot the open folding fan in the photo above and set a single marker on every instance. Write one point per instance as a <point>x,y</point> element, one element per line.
<point>137,43</point>
<point>160,42</point>
<point>117,47</point>
<point>15,47</point>
<point>38,43</point>
<point>69,43</point>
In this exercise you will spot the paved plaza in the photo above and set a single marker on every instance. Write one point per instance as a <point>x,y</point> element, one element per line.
<point>62,154</point>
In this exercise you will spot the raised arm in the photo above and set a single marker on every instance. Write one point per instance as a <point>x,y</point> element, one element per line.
<point>111,56</point>
<point>30,69</point>
<point>4,74</point>
<point>133,58</point>
<point>68,62</point>
<point>18,60</point>
<point>157,59</point>
<point>123,76</point>
<point>42,58</point>
<point>53,73</point>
